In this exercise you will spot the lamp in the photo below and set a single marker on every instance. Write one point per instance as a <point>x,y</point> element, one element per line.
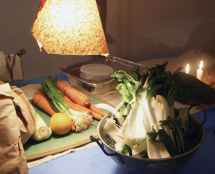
<point>71,27</point>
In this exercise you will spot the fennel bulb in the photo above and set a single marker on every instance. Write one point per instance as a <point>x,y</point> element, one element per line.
<point>42,131</point>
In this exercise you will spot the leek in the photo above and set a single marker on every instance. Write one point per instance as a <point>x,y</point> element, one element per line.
<point>43,131</point>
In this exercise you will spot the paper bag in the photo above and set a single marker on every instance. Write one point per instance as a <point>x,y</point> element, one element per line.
<point>17,125</point>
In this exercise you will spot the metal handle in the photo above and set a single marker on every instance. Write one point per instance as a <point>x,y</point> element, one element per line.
<point>106,153</point>
<point>205,114</point>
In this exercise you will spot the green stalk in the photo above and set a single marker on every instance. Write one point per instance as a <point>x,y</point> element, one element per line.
<point>55,98</point>
<point>42,130</point>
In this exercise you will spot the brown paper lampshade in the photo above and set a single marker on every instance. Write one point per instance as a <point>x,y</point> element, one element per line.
<point>71,27</point>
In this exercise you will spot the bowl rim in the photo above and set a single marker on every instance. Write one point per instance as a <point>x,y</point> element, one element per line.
<point>147,159</point>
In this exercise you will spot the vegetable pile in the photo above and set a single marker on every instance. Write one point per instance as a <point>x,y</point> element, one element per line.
<point>145,124</point>
<point>61,98</point>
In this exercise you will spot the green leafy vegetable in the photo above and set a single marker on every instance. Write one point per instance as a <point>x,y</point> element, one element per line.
<point>127,150</point>
<point>191,136</point>
<point>189,88</point>
<point>130,86</point>
<point>144,154</point>
<point>178,86</point>
<point>186,138</point>
<point>165,138</point>
<point>176,126</point>
<point>147,124</point>
<point>112,146</point>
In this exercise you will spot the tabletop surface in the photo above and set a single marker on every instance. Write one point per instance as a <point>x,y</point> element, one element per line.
<point>93,160</point>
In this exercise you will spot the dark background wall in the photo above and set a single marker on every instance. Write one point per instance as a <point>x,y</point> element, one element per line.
<point>142,29</point>
<point>135,30</point>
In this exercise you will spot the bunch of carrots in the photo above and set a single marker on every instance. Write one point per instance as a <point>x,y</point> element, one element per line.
<point>77,101</point>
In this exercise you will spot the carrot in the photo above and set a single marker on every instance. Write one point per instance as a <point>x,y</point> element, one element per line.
<point>75,106</point>
<point>40,99</point>
<point>74,94</point>
<point>73,128</point>
<point>97,110</point>
<point>80,108</point>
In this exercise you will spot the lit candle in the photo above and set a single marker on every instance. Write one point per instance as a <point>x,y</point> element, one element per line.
<point>187,68</point>
<point>200,71</point>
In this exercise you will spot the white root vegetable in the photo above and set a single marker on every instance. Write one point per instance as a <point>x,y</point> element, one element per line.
<point>42,130</point>
<point>133,127</point>
<point>162,110</point>
<point>140,147</point>
<point>143,115</point>
<point>81,120</point>
<point>111,129</point>
<point>155,150</point>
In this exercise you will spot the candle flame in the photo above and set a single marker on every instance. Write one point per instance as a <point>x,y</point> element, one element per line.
<point>187,68</point>
<point>201,65</point>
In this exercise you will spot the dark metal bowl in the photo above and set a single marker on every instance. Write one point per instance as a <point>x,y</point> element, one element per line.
<point>174,164</point>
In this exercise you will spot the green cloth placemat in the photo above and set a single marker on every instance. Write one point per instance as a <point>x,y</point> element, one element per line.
<point>57,143</point>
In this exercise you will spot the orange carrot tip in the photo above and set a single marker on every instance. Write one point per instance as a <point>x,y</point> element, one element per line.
<point>74,94</point>
<point>40,100</point>
<point>96,109</point>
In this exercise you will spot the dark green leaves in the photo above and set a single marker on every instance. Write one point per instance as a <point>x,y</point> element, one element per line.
<point>178,86</point>
<point>192,136</point>
<point>176,125</point>
<point>127,150</point>
<point>152,89</point>
<point>153,135</point>
<point>189,88</point>
<point>184,139</point>
<point>144,154</point>
<point>169,144</point>
<point>135,73</point>
<point>166,139</point>
<point>159,81</point>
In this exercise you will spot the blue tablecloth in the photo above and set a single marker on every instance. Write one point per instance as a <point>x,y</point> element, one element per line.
<point>93,160</point>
